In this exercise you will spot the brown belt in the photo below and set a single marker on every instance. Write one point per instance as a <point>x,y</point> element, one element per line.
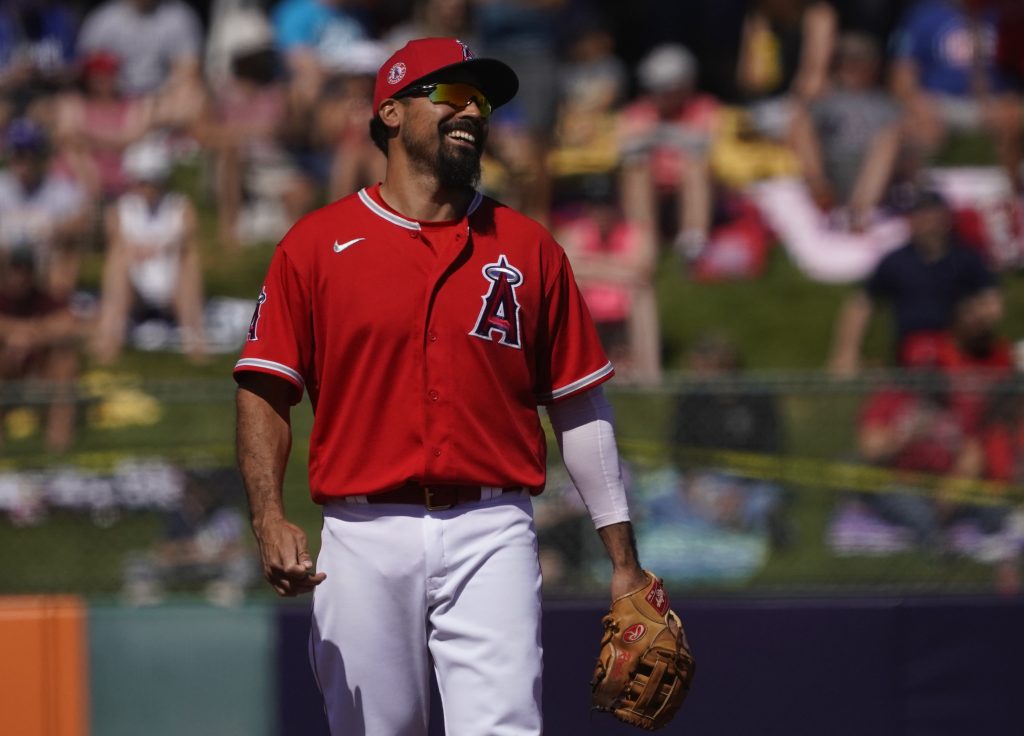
<point>433,498</point>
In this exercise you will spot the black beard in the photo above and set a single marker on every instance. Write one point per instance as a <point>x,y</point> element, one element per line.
<point>459,168</point>
<point>455,166</point>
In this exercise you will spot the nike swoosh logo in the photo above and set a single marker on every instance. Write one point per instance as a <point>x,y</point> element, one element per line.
<point>339,247</point>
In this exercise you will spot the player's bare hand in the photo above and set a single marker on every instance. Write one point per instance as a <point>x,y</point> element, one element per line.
<point>625,580</point>
<point>287,565</point>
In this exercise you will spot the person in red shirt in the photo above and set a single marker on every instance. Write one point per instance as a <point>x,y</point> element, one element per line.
<point>614,260</point>
<point>940,427</point>
<point>427,323</point>
<point>1002,435</point>
<point>972,354</point>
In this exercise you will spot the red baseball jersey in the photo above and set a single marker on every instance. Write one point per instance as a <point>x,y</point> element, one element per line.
<point>425,347</point>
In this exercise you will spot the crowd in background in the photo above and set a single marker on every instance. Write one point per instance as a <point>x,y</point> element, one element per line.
<point>701,131</point>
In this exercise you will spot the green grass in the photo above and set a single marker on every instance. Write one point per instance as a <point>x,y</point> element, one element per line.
<point>781,321</point>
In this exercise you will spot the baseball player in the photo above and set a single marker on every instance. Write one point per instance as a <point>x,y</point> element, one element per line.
<point>427,323</point>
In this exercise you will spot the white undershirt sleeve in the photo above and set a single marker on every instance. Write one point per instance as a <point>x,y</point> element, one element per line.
<point>586,437</point>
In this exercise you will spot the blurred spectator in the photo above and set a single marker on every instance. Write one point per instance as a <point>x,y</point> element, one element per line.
<point>152,268</point>
<point>313,35</point>
<point>203,543</point>
<point>158,43</point>
<point>915,430</point>
<point>37,39</point>
<point>977,362</point>
<point>524,34</point>
<point>93,126</point>
<point>922,431</point>
<point>593,84</point>
<point>1002,446</point>
<point>944,71</point>
<point>434,19</point>
<point>714,417</point>
<point>784,57</point>
<point>344,106</point>
<point>40,209</point>
<point>932,430</point>
<point>1002,434</point>
<point>1010,44</point>
<point>922,281</point>
<point>973,355</point>
<point>848,139</point>
<point>614,261</point>
<point>260,190</point>
<point>234,25</point>
<point>704,521</point>
<point>666,136</point>
<point>38,342</point>
<point>848,142</point>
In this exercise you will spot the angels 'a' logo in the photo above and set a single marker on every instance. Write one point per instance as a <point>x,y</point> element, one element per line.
<point>500,312</point>
<point>466,53</point>
<point>256,315</point>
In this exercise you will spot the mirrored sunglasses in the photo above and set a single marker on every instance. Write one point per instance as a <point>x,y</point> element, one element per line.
<point>455,94</point>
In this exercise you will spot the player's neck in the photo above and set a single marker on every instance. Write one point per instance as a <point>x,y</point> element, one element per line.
<point>423,198</point>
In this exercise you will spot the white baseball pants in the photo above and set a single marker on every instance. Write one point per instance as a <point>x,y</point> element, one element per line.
<point>408,589</point>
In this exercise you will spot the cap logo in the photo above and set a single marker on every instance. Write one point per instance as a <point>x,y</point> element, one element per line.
<point>466,53</point>
<point>396,73</point>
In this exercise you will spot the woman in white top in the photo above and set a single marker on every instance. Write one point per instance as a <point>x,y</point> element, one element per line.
<point>152,259</point>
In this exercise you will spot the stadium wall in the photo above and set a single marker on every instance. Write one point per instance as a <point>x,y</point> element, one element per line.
<point>900,666</point>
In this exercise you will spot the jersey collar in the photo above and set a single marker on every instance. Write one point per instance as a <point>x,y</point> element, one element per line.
<point>396,219</point>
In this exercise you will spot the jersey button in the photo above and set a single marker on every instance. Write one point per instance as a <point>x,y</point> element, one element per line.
<point>436,452</point>
<point>434,396</point>
<point>414,234</point>
<point>432,336</point>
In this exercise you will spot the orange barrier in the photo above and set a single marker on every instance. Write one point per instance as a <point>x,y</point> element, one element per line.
<point>43,666</point>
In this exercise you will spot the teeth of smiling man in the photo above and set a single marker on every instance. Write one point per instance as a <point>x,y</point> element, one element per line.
<point>463,136</point>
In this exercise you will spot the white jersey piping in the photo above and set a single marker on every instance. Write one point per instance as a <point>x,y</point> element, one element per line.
<point>270,365</point>
<point>561,391</point>
<point>394,219</point>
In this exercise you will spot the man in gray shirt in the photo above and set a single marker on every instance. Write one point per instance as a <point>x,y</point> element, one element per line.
<point>157,41</point>
<point>848,140</point>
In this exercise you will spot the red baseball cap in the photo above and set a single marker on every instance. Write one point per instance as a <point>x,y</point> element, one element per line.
<point>101,63</point>
<point>426,60</point>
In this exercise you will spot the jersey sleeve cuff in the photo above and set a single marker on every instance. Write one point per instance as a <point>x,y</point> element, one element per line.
<point>596,378</point>
<point>260,365</point>
<point>614,517</point>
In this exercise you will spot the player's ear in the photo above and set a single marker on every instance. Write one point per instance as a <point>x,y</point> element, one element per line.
<point>390,112</point>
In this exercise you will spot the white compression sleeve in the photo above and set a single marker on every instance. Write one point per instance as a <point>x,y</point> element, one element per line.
<point>586,437</point>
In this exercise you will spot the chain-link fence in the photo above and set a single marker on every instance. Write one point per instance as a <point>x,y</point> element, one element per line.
<point>739,482</point>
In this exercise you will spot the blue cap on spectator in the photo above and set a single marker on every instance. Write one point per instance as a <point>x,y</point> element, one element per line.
<point>25,136</point>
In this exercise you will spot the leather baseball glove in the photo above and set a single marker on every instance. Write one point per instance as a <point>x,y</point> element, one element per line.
<point>645,667</point>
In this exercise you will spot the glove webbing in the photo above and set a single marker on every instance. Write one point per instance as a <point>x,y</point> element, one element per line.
<point>653,684</point>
